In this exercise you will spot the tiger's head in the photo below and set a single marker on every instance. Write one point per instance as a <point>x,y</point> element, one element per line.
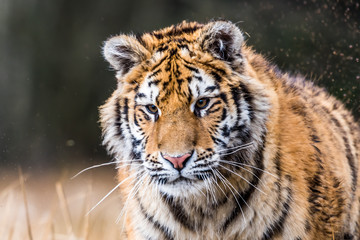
<point>186,107</point>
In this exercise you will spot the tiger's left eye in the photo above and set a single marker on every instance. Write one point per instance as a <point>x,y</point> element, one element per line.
<point>202,103</point>
<point>151,108</point>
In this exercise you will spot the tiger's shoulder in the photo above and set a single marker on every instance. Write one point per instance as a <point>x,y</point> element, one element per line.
<point>318,142</point>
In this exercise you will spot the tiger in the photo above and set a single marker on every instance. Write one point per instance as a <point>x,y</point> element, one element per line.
<point>213,141</point>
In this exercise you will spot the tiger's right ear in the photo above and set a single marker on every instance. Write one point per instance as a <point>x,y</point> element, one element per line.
<point>124,52</point>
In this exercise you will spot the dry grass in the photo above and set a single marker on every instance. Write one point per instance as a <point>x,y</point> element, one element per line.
<point>51,206</point>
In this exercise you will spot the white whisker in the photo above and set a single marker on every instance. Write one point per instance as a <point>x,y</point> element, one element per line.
<point>247,165</point>
<point>234,151</point>
<point>230,163</point>
<point>218,184</point>
<point>135,189</point>
<point>236,147</point>
<point>199,190</point>
<point>111,191</point>
<point>128,165</point>
<point>242,178</point>
<point>94,166</point>
<point>207,187</point>
<point>223,181</point>
<point>210,180</point>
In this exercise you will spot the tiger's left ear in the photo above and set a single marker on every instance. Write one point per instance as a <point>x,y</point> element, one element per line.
<point>223,40</point>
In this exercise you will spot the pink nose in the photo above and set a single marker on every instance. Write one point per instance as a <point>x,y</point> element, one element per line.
<point>178,162</point>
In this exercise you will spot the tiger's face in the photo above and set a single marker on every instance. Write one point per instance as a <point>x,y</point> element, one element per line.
<point>181,107</point>
<point>181,124</point>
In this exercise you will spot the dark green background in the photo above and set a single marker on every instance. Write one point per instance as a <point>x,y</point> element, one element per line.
<point>53,77</point>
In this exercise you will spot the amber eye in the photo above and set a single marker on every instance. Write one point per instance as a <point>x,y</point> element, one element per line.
<point>151,108</point>
<point>202,103</point>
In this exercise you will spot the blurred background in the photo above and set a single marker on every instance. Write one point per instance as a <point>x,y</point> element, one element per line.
<point>53,77</point>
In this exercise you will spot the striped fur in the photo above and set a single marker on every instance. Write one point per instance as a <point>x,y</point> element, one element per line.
<point>272,155</point>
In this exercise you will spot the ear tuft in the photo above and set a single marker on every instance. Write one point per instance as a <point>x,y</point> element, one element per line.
<point>124,52</point>
<point>223,40</point>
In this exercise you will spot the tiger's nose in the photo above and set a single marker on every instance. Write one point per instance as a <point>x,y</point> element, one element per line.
<point>179,161</point>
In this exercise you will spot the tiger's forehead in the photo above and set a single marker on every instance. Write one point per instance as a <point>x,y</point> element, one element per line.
<point>184,33</point>
<point>175,82</point>
<point>171,78</point>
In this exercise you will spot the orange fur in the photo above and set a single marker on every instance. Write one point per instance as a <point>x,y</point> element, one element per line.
<point>296,179</point>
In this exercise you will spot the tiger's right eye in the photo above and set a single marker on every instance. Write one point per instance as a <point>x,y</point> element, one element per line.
<point>151,108</point>
<point>202,103</point>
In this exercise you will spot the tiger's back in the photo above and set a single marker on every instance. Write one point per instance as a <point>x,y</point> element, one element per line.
<point>213,142</point>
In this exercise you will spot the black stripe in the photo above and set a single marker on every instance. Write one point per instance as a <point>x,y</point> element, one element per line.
<point>172,52</point>
<point>307,226</point>
<point>276,228</point>
<point>162,48</point>
<point>219,71</point>
<point>211,88</point>
<point>224,97</point>
<point>126,113</point>
<point>140,39</point>
<point>235,93</point>
<point>166,84</point>
<point>279,179</point>
<point>225,131</point>
<point>179,213</point>
<point>158,35</point>
<point>179,30</point>
<point>197,90</point>
<point>213,106</point>
<point>214,110</point>
<point>243,132</point>
<point>248,99</point>
<point>315,185</point>
<point>155,82</point>
<point>183,46</point>
<point>315,138</point>
<point>191,68</point>
<point>349,154</point>
<point>218,141</point>
<point>216,76</point>
<point>163,229</point>
<point>159,63</point>
<point>135,120</point>
<point>140,95</point>
<point>154,73</point>
<point>224,114</point>
<point>118,119</point>
<point>180,81</point>
<point>146,116</point>
<point>199,78</point>
<point>175,31</point>
<point>245,196</point>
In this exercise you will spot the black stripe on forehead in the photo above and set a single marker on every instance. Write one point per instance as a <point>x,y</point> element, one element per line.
<point>140,95</point>
<point>154,82</point>
<point>212,88</point>
<point>176,31</point>
<point>155,73</point>
<point>192,69</point>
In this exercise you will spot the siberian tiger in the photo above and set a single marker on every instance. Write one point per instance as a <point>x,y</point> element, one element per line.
<point>214,142</point>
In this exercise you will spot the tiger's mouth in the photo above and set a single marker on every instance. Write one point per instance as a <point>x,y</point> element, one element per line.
<point>183,179</point>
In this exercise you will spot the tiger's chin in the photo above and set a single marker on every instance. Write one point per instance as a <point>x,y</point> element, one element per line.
<point>182,187</point>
